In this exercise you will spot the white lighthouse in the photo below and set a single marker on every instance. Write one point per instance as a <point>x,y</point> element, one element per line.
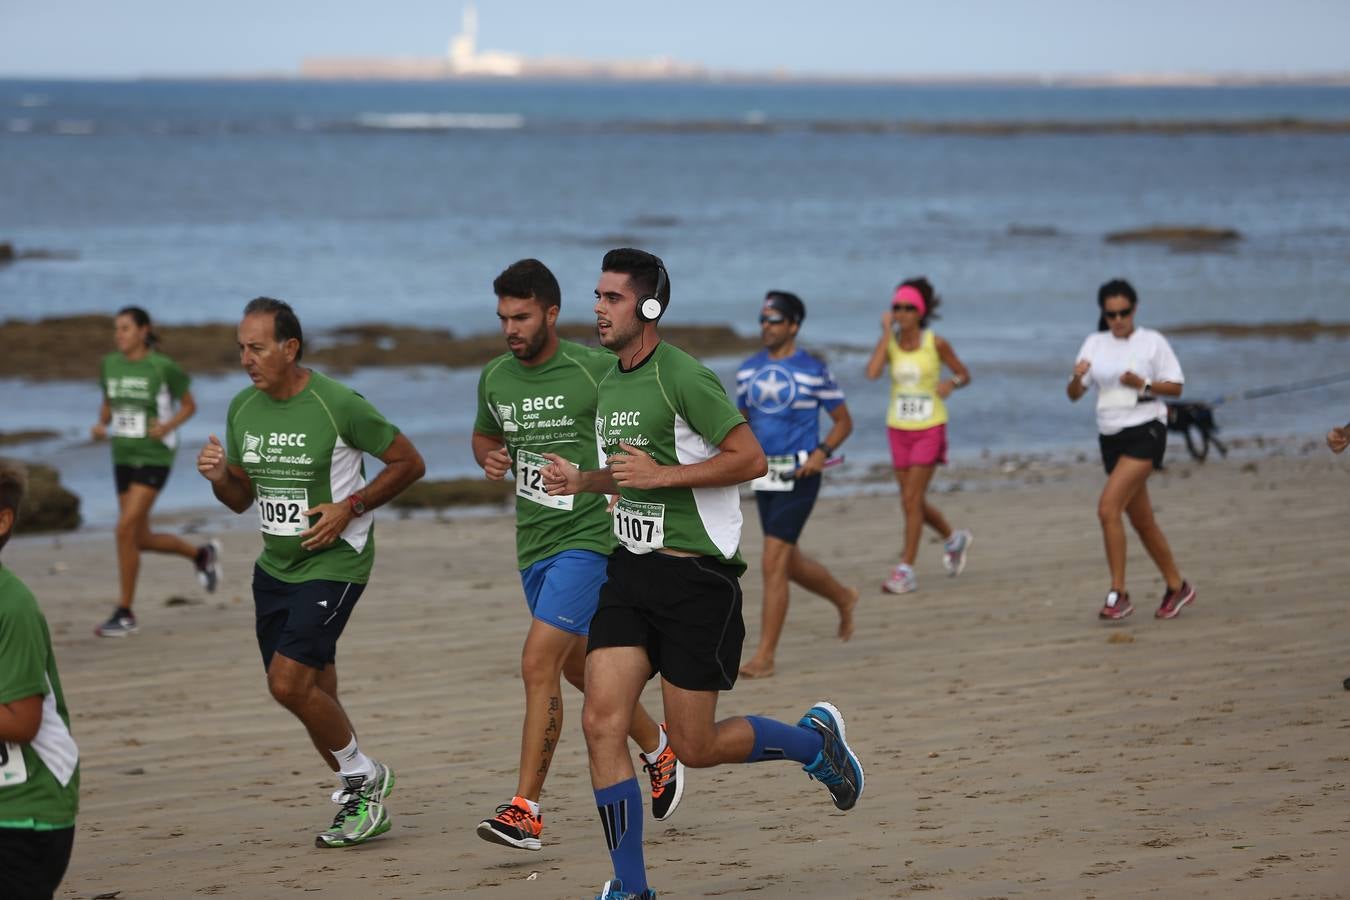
<point>465,58</point>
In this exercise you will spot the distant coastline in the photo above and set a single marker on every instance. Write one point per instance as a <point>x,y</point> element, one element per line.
<point>69,348</point>
<point>689,74</point>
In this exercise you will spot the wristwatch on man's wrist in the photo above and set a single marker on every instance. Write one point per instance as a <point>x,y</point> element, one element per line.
<point>357,504</point>
<point>826,449</point>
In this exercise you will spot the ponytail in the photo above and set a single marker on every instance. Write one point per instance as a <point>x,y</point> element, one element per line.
<point>142,320</point>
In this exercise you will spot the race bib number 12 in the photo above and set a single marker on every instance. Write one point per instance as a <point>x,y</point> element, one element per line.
<point>779,476</point>
<point>12,769</point>
<point>530,481</point>
<point>281,511</point>
<point>640,527</point>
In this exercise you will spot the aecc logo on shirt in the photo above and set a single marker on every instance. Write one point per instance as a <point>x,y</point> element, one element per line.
<point>276,441</point>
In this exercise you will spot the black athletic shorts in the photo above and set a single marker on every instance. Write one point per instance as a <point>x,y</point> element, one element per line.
<point>32,862</point>
<point>150,476</point>
<point>302,621</point>
<point>1146,441</point>
<point>685,610</point>
<point>783,514</point>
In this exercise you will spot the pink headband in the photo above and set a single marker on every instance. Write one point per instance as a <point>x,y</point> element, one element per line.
<point>908,293</point>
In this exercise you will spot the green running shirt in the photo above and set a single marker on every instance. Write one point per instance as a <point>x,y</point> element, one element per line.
<point>300,452</point>
<point>39,781</point>
<point>549,408</point>
<point>674,408</point>
<point>139,394</point>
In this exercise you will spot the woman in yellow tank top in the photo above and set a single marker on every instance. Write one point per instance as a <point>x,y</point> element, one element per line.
<point>916,420</point>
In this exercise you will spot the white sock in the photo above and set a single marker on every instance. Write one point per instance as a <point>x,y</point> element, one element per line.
<point>351,761</point>
<point>533,805</point>
<point>660,746</point>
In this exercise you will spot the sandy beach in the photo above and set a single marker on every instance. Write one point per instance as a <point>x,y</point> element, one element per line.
<point>1014,745</point>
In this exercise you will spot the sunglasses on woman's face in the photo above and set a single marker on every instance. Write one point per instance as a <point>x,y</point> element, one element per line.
<point>904,307</point>
<point>1118,313</point>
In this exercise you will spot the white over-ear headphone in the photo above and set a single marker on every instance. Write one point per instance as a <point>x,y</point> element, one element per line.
<point>650,308</point>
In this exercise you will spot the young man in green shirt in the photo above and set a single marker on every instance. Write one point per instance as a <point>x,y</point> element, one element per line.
<point>675,450</point>
<point>537,398</point>
<point>294,444</point>
<point>39,761</point>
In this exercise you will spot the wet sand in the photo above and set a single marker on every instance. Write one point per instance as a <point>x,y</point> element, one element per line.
<point>1014,745</point>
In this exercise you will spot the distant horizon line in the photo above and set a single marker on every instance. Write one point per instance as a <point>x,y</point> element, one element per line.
<point>1081,80</point>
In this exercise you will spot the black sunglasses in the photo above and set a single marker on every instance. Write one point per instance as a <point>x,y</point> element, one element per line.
<point>904,307</point>
<point>1118,313</point>
<point>772,320</point>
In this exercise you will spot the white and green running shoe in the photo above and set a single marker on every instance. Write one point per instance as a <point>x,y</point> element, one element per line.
<point>363,814</point>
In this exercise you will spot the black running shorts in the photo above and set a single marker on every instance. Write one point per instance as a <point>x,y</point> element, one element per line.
<point>783,514</point>
<point>1146,441</point>
<point>32,862</point>
<point>150,476</point>
<point>685,610</point>
<point>302,621</point>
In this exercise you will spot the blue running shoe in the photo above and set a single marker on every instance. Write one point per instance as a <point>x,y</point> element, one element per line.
<point>836,766</point>
<point>613,890</point>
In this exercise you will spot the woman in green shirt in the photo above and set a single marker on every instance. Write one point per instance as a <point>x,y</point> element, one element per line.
<point>145,399</point>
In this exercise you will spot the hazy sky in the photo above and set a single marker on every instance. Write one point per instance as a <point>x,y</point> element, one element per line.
<point>117,38</point>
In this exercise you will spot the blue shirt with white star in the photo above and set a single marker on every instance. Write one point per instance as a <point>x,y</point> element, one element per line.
<point>782,399</point>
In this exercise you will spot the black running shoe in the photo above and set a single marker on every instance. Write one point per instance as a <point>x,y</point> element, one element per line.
<point>667,775</point>
<point>121,624</point>
<point>208,565</point>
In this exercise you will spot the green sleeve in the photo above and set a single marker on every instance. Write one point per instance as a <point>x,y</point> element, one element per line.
<point>23,654</point>
<point>177,380</point>
<point>364,428</point>
<point>701,401</point>
<point>485,421</point>
<point>232,450</point>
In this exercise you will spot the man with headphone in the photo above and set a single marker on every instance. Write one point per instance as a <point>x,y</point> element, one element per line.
<point>675,449</point>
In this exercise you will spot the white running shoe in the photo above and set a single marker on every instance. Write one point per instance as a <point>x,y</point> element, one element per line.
<point>954,551</point>
<point>901,581</point>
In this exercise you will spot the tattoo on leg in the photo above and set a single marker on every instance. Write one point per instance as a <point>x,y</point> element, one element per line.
<point>550,736</point>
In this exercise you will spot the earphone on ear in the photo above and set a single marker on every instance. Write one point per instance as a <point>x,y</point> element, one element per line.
<point>649,309</point>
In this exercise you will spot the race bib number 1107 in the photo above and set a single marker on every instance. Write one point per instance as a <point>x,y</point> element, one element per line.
<point>640,527</point>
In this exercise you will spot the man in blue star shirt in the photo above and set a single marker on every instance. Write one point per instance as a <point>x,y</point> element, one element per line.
<point>781,391</point>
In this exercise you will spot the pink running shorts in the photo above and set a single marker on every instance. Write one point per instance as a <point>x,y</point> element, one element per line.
<point>925,447</point>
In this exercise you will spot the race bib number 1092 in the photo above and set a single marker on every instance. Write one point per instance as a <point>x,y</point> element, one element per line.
<point>281,511</point>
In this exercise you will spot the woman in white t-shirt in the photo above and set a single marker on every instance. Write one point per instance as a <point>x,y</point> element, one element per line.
<point>1131,368</point>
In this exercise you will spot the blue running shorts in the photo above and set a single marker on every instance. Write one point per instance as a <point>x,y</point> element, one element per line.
<point>783,514</point>
<point>562,590</point>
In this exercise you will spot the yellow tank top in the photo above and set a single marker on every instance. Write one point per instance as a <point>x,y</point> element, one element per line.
<point>915,404</point>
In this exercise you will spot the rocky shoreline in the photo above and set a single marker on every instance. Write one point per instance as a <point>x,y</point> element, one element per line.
<point>69,348</point>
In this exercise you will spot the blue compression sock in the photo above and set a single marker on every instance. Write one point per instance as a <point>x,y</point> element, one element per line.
<point>779,740</point>
<point>620,807</point>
